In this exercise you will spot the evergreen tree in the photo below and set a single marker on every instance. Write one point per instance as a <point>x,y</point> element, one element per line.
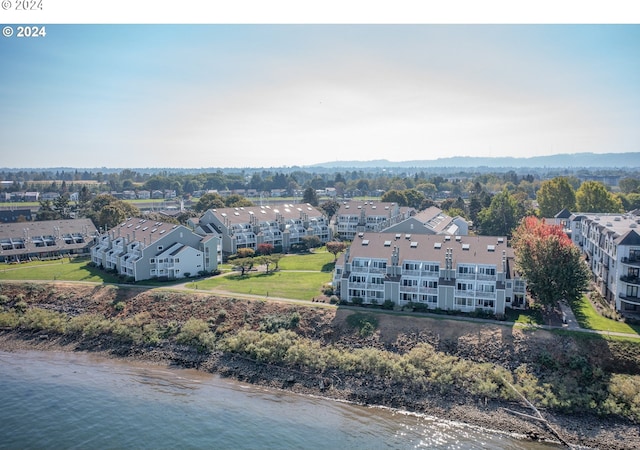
<point>310,196</point>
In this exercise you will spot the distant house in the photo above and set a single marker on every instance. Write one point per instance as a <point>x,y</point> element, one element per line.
<point>26,241</point>
<point>169,193</point>
<point>128,195</point>
<point>33,197</point>
<point>144,249</point>
<point>145,195</point>
<point>157,194</point>
<point>15,215</point>
<point>46,196</point>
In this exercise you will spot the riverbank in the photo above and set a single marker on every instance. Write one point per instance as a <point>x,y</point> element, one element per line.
<point>509,347</point>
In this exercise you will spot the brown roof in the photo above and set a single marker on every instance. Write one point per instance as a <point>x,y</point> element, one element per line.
<point>466,249</point>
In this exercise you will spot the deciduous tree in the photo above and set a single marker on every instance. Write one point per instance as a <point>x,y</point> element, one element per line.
<point>335,247</point>
<point>501,217</point>
<point>548,260</point>
<point>554,195</point>
<point>593,196</point>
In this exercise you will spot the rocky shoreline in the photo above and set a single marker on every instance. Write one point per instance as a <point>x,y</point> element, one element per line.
<point>580,431</point>
<point>508,347</point>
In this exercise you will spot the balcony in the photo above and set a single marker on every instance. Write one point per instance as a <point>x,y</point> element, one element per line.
<point>629,299</point>
<point>630,279</point>
<point>633,261</point>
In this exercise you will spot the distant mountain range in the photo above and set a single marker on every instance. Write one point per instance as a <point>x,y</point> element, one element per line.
<point>574,161</point>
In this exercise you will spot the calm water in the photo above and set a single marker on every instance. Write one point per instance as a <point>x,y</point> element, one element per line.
<point>51,400</point>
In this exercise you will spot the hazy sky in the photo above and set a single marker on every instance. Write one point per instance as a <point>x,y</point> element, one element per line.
<point>270,96</point>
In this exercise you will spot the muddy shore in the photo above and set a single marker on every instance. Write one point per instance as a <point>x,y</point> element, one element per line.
<point>582,431</point>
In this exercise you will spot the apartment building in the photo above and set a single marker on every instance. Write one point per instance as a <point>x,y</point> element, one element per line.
<point>445,272</point>
<point>431,221</point>
<point>144,249</point>
<point>611,246</point>
<point>47,239</point>
<point>355,217</point>
<point>247,227</point>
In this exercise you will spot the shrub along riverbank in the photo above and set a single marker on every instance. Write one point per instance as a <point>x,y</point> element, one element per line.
<point>451,369</point>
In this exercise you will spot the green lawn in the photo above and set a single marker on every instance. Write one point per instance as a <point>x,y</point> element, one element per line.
<point>527,316</point>
<point>294,285</point>
<point>320,260</point>
<point>588,317</point>
<point>62,269</point>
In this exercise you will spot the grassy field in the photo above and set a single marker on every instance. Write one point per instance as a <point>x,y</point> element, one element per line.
<point>299,277</point>
<point>285,284</point>
<point>61,269</point>
<point>588,317</point>
<point>528,316</point>
<point>320,260</point>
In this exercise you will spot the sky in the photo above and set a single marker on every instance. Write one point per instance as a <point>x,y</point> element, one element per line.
<point>198,96</point>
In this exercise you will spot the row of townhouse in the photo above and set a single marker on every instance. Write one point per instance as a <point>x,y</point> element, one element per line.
<point>144,194</point>
<point>355,217</point>
<point>439,271</point>
<point>611,246</point>
<point>283,226</point>
<point>26,241</point>
<point>144,249</point>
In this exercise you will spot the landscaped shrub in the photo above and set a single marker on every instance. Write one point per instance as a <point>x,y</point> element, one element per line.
<point>388,304</point>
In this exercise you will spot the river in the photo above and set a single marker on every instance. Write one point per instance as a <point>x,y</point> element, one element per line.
<point>61,400</point>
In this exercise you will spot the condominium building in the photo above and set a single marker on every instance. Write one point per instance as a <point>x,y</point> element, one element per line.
<point>611,246</point>
<point>431,221</point>
<point>355,217</point>
<point>144,249</point>
<point>47,239</point>
<point>445,272</point>
<point>249,226</point>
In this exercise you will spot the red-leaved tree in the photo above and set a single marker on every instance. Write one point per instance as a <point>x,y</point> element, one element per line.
<point>548,260</point>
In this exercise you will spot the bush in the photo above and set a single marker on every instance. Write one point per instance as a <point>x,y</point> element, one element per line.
<point>388,304</point>
<point>196,332</point>
<point>356,301</point>
<point>334,299</point>
<point>119,306</point>
<point>366,324</point>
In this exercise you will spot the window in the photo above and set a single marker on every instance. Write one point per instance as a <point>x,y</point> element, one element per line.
<point>152,260</point>
<point>176,260</point>
<point>632,291</point>
<point>160,248</point>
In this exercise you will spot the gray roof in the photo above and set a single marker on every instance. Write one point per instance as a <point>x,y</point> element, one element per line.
<point>466,249</point>
<point>137,229</point>
<point>242,215</point>
<point>47,236</point>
